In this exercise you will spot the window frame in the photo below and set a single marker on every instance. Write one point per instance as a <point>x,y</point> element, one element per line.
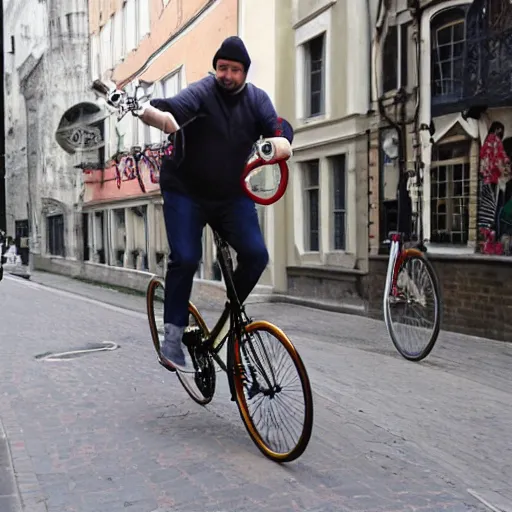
<point>400,76</point>
<point>51,221</point>
<point>307,188</point>
<point>308,72</point>
<point>321,23</point>
<point>441,104</point>
<point>334,167</point>
<point>449,164</point>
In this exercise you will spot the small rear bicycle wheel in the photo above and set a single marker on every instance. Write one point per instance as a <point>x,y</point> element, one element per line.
<point>273,392</point>
<point>201,385</point>
<point>413,313</point>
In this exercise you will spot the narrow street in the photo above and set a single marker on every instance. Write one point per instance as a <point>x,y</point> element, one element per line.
<point>112,431</point>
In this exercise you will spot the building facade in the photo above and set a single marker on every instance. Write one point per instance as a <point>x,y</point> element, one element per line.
<point>168,45</point>
<point>442,87</point>
<point>45,66</point>
<point>317,234</point>
<point>327,211</point>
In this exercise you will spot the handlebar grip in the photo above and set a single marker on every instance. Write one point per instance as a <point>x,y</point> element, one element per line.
<point>275,148</point>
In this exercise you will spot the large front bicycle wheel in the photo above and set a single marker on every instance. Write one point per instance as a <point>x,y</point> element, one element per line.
<point>413,310</point>
<point>273,392</point>
<point>204,378</point>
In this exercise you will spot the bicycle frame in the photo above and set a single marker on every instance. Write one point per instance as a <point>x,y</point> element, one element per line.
<point>232,320</point>
<point>397,255</point>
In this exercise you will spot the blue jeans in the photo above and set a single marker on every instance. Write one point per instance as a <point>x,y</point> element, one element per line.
<point>236,221</point>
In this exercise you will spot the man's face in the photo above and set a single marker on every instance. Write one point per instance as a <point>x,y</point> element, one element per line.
<point>230,74</point>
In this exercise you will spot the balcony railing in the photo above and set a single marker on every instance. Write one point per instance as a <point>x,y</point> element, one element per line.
<point>488,55</point>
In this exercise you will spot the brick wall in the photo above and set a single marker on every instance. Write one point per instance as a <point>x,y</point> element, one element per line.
<point>476,290</point>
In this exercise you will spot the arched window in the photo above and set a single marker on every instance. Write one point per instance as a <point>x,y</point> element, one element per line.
<point>448,33</point>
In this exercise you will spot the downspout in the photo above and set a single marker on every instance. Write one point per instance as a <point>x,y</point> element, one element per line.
<point>399,127</point>
<point>418,148</point>
<point>370,55</point>
<point>375,47</point>
<point>417,17</point>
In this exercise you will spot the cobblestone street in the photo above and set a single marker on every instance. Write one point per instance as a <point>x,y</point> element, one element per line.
<point>113,431</point>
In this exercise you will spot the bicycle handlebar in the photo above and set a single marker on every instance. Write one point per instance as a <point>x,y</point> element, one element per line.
<point>266,152</point>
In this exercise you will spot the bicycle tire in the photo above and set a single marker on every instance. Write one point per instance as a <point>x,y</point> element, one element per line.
<point>411,255</point>
<point>154,283</point>
<point>243,407</point>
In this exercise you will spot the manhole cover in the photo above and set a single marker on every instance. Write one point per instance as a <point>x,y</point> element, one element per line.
<point>73,354</point>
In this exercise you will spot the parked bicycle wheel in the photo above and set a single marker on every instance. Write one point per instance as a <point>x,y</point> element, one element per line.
<point>273,392</point>
<point>413,313</point>
<point>205,371</point>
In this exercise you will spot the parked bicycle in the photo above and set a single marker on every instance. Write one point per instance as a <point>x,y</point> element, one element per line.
<point>412,296</point>
<point>266,375</point>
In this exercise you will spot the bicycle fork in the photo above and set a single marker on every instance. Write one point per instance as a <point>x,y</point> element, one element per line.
<point>391,274</point>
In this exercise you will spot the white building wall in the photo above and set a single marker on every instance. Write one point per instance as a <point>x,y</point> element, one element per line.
<point>29,40</point>
<point>339,130</point>
<point>261,45</point>
<point>46,75</point>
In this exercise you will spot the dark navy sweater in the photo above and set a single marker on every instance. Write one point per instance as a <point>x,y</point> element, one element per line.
<point>218,141</point>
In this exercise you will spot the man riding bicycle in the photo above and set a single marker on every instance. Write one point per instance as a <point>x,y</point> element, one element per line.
<point>224,116</point>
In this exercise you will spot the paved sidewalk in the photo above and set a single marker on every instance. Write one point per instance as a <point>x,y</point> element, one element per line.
<point>113,431</point>
<point>9,495</point>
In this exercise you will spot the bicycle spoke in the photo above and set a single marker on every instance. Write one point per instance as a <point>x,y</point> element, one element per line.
<point>414,309</point>
<point>277,416</point>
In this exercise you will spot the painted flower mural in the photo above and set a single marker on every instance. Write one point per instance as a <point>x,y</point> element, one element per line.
<point>495,211</point>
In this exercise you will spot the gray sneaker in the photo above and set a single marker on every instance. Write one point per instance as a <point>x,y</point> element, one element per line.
<point>174,352</point>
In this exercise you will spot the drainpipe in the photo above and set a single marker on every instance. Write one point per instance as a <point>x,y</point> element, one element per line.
<point>418,153</point>
<point>370,54</point>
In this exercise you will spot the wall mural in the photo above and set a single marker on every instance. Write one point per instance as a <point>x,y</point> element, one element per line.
<point>495,209</point>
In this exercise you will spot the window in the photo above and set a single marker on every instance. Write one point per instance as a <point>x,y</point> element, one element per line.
<point>449,193</point>
<point>95,57</point>
<point>171,84</point>
<point>118,236</point>
<point>312,205</point>
<point>69,24</point>
<point>389,59</point>
<point>168,87</point>
<point>315,76</point>
<point>99,229</point>
<point>85,236</point>
<point>130,26</point>
<point>143,19</point>
<point>106,47</point>
<point>447,58</point>
<point>55,231</point>
<point>389,174</point>
<point>339,212</point>
<point>124,31</point>
<point>394,58</point>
